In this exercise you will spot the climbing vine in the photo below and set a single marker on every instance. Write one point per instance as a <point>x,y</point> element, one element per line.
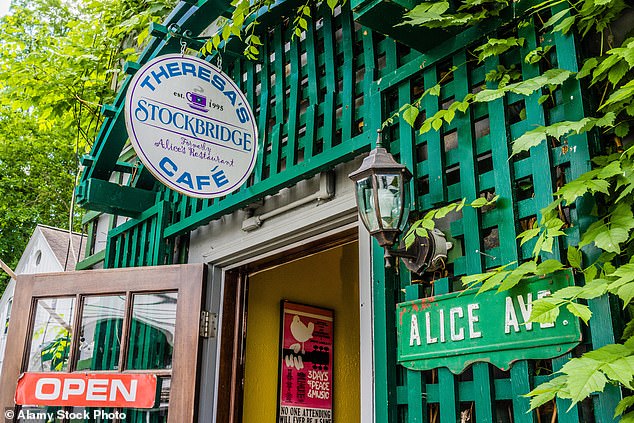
<point>242,27</point>
<point>604,255</point>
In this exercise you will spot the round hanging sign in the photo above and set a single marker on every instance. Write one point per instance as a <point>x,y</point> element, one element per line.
<point>191,126</point>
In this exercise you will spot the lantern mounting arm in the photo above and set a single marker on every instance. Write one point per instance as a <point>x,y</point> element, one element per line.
<point>400,252</point>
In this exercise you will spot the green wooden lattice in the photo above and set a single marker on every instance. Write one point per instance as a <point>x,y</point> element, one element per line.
<point>318,101</point>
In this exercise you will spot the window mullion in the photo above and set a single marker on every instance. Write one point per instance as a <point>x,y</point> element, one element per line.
<point>125,342</point>
<point>75,334</point>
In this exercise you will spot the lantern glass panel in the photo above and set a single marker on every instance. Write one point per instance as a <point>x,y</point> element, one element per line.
<point>365,203</point>
<point>390,201</point>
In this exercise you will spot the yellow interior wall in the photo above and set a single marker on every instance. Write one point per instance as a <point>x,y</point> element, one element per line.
<point>328,279</point>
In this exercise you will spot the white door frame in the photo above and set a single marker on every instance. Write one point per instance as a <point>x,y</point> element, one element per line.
<point>314,233</point>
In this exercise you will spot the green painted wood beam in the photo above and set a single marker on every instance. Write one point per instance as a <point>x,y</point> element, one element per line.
<point>293,102</point>
<point>385,391</point>
<point>107,197</point>
<point>417,406</point>
<point>149,223</point>
<point>435,150</point>
<point>406,143</point>
<point>123,167</point>
<point>483,395</point>
<point>268,15</point>
<point>304,170</point>
<point>566,413</point>
<point>264,115</point>
<point>384,16</point>
<point>144,179</point>
<point>88,216</point>
<point>348,94</point>
<point>90,261</point>
<point>448,398</point>
<point>540,154</point>
<point>450,46</point>
<point>131,67</point>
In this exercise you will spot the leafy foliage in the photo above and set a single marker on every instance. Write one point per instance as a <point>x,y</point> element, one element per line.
<point>560,131</point>
<point>550,78</point>
<point>434,14</point>
<point>59,63</point>
<point>36,180</point>
<point>604,254</point>
<point>427,222</point>
<point>243,25</point>
<point>495,47</point>
<point>57,351</point>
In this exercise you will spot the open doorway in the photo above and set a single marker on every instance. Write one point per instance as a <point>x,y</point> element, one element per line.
<point>327,280</point>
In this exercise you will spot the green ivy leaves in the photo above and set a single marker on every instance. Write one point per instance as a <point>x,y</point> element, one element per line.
<point>427,223</point>
<point>428,14</point>
<point>497,46</point>
<point>435,14</point>
<point>618,62</point>
<point>421,226</point>
<point>551,77</point>
<point>560,130</point>
<point>581,377</point>
<point>244,24</point>
<point>504,280</point>
<point>410,112</point>
<point>611,182</point>
<point>300,22</point>
<point>610,232</point>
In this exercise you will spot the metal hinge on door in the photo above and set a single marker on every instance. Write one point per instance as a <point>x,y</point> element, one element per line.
<point>208,324</point>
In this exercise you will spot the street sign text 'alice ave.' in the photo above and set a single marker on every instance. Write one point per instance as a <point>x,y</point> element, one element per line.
<point>458,329</point>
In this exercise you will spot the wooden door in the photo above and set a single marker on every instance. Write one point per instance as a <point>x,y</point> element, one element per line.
<point>135,320</point>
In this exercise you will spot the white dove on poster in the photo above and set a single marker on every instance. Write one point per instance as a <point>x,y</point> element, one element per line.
<point>301,332</point>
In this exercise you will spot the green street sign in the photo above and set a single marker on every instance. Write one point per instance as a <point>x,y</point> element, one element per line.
<point>462,328</point>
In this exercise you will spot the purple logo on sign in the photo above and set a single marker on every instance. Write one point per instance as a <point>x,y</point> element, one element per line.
<point>197,101</point>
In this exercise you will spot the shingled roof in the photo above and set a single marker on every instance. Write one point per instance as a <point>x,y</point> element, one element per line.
<point>60,243</point>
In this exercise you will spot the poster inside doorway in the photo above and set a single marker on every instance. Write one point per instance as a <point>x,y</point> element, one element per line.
<point>306,364</point>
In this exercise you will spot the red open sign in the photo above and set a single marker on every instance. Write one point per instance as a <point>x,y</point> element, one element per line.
<point>87,389</point>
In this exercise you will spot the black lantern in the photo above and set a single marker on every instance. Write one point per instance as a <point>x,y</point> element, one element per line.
<point>382,192</point>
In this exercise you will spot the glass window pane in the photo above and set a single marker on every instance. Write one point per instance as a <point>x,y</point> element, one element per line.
<point>157,414</point>
<point>389,188</point>
<point>100,333</point>
<point>50,342</point>
<point>365,202</point>
<point>7,316</point>
<point>152,331</point>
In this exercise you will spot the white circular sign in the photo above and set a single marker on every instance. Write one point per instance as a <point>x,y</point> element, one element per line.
<point>191,126</point>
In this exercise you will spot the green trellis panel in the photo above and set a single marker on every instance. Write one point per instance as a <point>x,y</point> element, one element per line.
<point>312,107</point>
<point>139,242</point>
<point>471,158</point>
<point>318,100</point>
